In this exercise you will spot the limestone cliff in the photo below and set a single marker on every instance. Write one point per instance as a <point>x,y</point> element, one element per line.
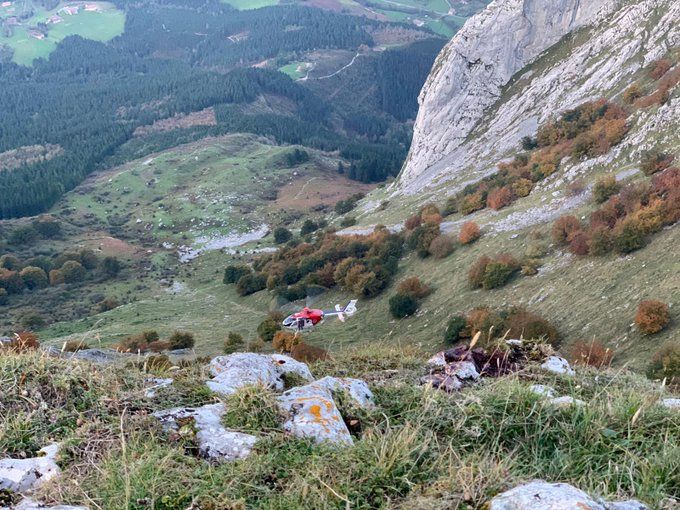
<point>517,63</point>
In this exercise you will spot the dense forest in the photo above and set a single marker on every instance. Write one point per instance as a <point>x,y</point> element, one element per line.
<point>183,56</point>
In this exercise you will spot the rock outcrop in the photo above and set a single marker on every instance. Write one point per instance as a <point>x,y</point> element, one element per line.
<point>22,475</point>
<point>516,64</point>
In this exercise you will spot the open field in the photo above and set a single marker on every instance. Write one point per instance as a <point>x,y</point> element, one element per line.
<point>101,25</point>
<point>250,4</point>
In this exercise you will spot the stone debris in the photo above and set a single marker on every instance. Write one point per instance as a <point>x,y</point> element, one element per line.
<point>557,365</point>
<point>246,369</point>
<point>542,390</point>
<point>31,504</point>
<point>21,475</point>
<point>671,403</point>
<point>215,442</point>
<point>566,401</point>
<point>157,384</point>
<point>541,495</point>
<point>311,412</point>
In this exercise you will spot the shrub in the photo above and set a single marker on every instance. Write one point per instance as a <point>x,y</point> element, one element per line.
<point>157,363</point>
<point>252,409</point>
<point>22,342</point>
<point>499,198</point>
<point>476,272</point>
<point>653,162</point>
<point>110,266</point>
<point>632,93</point>
<point>564,228</point>
<point>306,353</point>
<point>454,328</point>
<point>233,273</point>
<point>181,340</point>
<point>150,335</point>
<point>88,259</point>
<point>601,241</point>
<point>522,187</point>
<point>530,267</point>
<point>665,364</point>
<point>10,262</point>
<point>4,299</point>
<point>658,68</point>
<point>413,287</point>
<point>57,277</point>
<point>497,274</point>
<point>593,354</point>
<point>32,320</point>
<point>308,227</point>
<point>471,203</point>
<point>450,207</point>
<point>604,188</point>
<point>251,283</point>
<point>441,247</point>
<point>580,244</point>
<point>107,304</point>
<point>159,346</point>
<point>74,346</point>
<point>73,271</point>
<point>11,281</point>
<point>134,343</point>
<point>482,319</point>
<point>233,343</point>
<point>348,221</point>
<point>268,327</point>
<point>256,345</point>
<point>412,222</point>
<point>469,233</point>
<point>629,236</point>
<point>530,326</point>
<point>402,305</point>
<point>430,214</point>
<point>34,278</point>
<point>47,226</point>
<point>23,235</point>
<point>652,316</point>
<point>284,341</point>
<point>282,235</point>
<point>421,237</point>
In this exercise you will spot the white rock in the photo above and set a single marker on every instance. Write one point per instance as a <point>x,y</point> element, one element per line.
<point>557,365</point>
<point>21,475</point>
<point>31,504</point>
<point>245,369</point>
<point>625,505</point>
<point>215,442</point>
<point>437,360</point>
<point>566,401</point>
<point>463,370</point>
<point>671,403</point>
<point>542,390</point>
<point>540,495</point>
<point>311,412</point>
<point>356,388</point>
<point>157,384</point>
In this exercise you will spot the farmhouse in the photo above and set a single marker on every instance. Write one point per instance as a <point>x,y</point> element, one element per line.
<point>6,4</point>
<point>36,34</point>
<point>92,7</point>
<point>54,19</point>
<point>71,9</point>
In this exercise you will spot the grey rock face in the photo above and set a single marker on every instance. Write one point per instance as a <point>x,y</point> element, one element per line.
<point>21,475</point>
<point>215,442</point>
<point>311,412</point>
<point>557,365</point>
<point>245,369</point>
<point>356,388</point>
<point>671,403</point>
<point>542,390</point>
<point>157,383</point>
<point>31,504</point>
<point>540,495</point>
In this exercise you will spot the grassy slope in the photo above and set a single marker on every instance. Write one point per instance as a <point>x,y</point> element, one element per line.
<point>419,449</point>
<point>98,26</point>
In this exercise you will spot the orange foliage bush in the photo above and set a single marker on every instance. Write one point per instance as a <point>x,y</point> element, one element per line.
<point>413,287</point>
<point>652,316</point>
<point>285,341</point>
<point>412,222</point>
<point>469,232</point>
<point>499,198</point>
<point>564,229</point>
<point>593,354</point>
<point>579,244</point>
<point>22,342</point>
<point>430,214</point>
<point>659,68</point>
<point>306,353</point>
<point>441,246</point>
<point>477,270</point>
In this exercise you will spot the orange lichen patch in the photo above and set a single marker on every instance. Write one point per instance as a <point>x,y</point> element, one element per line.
<point>315,411</point>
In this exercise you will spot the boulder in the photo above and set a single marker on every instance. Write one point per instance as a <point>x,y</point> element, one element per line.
<point>437,360</point>
<point>245,369</point>
<point>541,495</point>
<point>215,442</point>
<point>311,412</point>
<point>557,365</point>
<point>463,370</point>
<point>356,388</point>
<point>21,475</point>
<point>444,382</point>
<point>671,403</point>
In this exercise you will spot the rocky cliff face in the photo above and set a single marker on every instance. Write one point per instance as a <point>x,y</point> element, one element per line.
<point>517,63</point>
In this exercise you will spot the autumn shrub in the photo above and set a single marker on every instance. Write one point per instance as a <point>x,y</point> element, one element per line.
<point>469,233</point>
<point>57,277</point>
<point>659,68</point>
<point>632,93</point>
<point>593,354</point>
<point>402,305</point>
<point>492,273</point>
<point>413,287</point>
<point>23,341</point>
<point>181,340</point>
<point>564,228</point>
<point>307,353</point>
<point>11,281</point>
<point>499,198</point>
<point>74,346</point>
<point>441,246</point>
<point>629,236</point>
<point>10,262</point>
<point>653,162</point>
<point>652,316</point>
<point>530,326</point>
<point>159,346</point>
<point>580,244</point>
<point>234,272</point>
<point>601,241</point>
<point>604,188</point>
<point>412,222</point>
<point>421,238</point>
<point>530,267</point>
<point>107,304</point>
<point>284,341</point>
<point>477,270</point>
<point>483,319</point>
<point>73,271</point>
<point>135,343</point>
<point>472,202</point>
<point>665,364</point>
<point>430,213</point>
<point>455,328</point>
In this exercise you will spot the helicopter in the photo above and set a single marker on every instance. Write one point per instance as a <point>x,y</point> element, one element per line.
<point>308,318</point>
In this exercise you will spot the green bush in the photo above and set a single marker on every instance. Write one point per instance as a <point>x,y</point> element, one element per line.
<point>233,273</point>
<point>251,283</point>
<point>73,271</point>
<point>665,364</point>
<point>496,275</point>
<point>629,236</point>
<point>308,227</point>
<point>181,340</point>
<point>454,328</point>
<point>402,305</point>
<point>34,278</point>
<point>282,235</point>
<point>111,266</point>
<point>604,188</point>
<point>268,327</point>
<point>233,343</point>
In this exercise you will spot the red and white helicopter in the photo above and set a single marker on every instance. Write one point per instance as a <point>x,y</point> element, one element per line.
<point>307,318</point>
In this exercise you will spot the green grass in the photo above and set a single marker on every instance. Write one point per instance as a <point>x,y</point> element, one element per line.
<point>418,448</point>
<point>293,70</point>
<point>250,4</point>
<point>98,26</point>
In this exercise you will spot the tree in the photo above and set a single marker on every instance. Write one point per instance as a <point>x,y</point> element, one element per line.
<point>110,266</point>
<point>73,272</point>
<point>10,262</point>
<point>34,278</point>
<point>282,235</point>
<point>402,305</point>
<point>234,272</point>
